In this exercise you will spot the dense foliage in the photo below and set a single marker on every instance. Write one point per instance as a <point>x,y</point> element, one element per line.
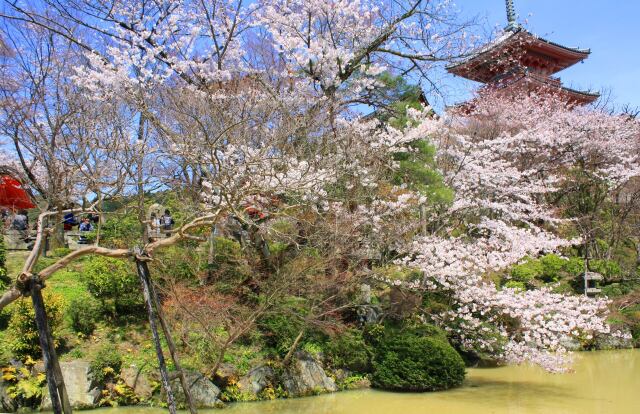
<point>106,365</point>
<point>113,282</point>
<point>349,351</point>
<point>84,313</point>
<point>22,329</point>
<point>419,359</point>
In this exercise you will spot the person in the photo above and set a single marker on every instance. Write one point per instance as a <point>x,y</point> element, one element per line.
<point>167,221</point>
<point>154,227</point>
<point>69,221</point>
<point>20,221</point>
<point>85,226</point>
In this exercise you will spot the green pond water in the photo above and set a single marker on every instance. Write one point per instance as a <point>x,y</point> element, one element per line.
<point>602,382</point>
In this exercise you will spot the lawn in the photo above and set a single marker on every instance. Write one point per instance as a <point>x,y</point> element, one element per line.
<point>66,282</point>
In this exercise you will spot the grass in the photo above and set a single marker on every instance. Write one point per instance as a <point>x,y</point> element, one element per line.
<point>15,261</point>
<point>66,282</point>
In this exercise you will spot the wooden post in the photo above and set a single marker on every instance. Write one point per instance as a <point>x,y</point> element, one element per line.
<point>143,273</point>
<point>172,348</point>
<point>212,255</point>
<point>55,381</point>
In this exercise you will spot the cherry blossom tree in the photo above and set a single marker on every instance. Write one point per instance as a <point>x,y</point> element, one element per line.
<point>506,158</point>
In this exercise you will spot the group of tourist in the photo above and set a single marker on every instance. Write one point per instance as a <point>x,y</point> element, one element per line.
<point>157,226</point>
<point>85,224</point>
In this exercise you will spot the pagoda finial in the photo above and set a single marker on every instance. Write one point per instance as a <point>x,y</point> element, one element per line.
<point>511,16</point>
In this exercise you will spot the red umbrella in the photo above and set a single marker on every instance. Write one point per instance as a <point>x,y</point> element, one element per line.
<point>13,195</point>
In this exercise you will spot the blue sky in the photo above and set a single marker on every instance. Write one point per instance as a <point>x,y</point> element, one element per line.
<point>610,28</point>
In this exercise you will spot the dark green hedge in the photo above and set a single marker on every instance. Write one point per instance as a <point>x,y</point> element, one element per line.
<point>414,360</point>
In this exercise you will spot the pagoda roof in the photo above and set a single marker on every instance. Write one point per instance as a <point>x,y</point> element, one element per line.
<point>553,85</point>
<point>513,40</point>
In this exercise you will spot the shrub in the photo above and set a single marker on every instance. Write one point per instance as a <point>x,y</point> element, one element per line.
<point>416,360</point>
<point>607,268</point>
<point>113,282</point>
<point>349,351</point>
<point>527,271</point>
<point>84,312</point>
<point>373,334</point>
<point>227,261</point>
<point>23,386</point>
<point>574,266</point>
<point>515,285</point>
<point>121,231</point>
<point>280,331</point>
<point>23,330</point>
<point>552,266</point>
<point>106,365</point>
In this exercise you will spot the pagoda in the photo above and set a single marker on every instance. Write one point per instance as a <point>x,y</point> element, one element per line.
<point>518,59</point>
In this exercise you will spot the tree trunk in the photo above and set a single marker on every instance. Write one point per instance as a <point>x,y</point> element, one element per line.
<point>55,381</point>
<point>172,348</point>
<point>57,236</point>
<point>143,273</point>
<point>287,358</point>
<point>211,255</point>
<point>423,220</point>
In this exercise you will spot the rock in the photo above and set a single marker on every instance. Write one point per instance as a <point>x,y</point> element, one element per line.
<point>256,380</point>
<point>571,344</point>
<point>7,404</point>
<point>83,393</point>
<point>620,339</point>
<point>225,375</point>
<point>368,314</point>
<point>365,294</point>
<point>134,378</point>
<point>203,392</point>
<point>305,376</point>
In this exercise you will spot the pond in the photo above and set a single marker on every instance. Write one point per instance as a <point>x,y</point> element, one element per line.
<point>603,382</point>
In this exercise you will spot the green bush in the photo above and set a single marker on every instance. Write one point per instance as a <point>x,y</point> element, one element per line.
<point>574,266</point>
<point>552,266</point>
<point>84,313</point>
<point>106,365</point>
<point>416,359</point>
<point>349,351</point>
<point>527,271</point>
<point>279,331</point>
<point>515,285</point>
<point>373,334</point>
<point>227,261</point>
<point>607,268</point>
<point>619,289</point>
<point>22,329</point>
<point>113,282</point>
<point>121,231</point>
